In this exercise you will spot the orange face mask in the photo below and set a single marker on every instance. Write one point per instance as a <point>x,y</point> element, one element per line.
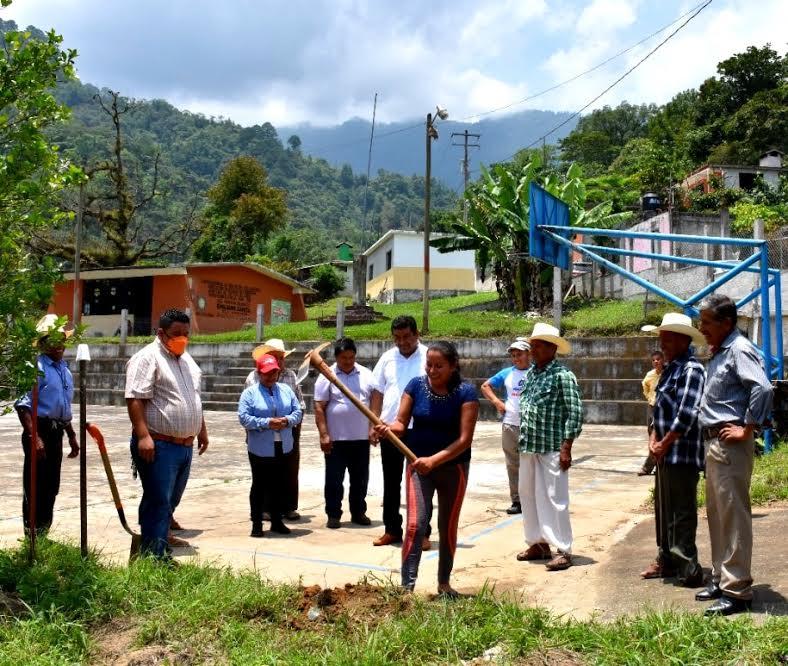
<point>177,345</point>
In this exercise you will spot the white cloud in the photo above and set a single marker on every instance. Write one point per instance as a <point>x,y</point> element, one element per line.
<point>604,16</point>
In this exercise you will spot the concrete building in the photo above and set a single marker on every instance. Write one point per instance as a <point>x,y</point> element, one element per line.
<point>220,296</point>
<point>770,166</point>
<point>395,269</point>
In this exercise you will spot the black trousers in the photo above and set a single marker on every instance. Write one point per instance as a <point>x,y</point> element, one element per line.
<point>676,518</point>
<point>269,485</point>
<point>47,474</point>
<point>353,456</point>
<point>393,464</point>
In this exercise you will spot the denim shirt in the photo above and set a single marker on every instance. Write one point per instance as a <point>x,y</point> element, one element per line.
<point>55,390</point>
<point>257,407</point>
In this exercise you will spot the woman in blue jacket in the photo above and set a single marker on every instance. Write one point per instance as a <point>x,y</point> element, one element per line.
<point>268,411</point>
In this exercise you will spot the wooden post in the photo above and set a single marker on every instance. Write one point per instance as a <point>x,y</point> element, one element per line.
<point>83,356</point>
<point>340,318</point>
<point>31,500</point>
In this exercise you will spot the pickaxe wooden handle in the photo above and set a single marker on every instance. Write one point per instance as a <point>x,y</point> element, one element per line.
<point>314,359</point>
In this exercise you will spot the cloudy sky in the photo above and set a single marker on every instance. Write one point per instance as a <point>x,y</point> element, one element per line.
<point>321,61</point>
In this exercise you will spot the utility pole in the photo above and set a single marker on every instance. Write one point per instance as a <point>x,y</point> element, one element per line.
<point>366,184</point>
<point>431,133</point>
<point>466,170</point>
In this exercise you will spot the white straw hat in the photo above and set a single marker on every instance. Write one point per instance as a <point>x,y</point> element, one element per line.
<point>272,345</point>
<point>675,322</point>
<point>46,326</point>
<point>550,334</point>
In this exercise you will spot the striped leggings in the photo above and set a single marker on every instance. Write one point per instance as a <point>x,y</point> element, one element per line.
<point>449,481</point>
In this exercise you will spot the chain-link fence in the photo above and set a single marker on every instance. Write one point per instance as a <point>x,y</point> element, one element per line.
<point>777,242</point>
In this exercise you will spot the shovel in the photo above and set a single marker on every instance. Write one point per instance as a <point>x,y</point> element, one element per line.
<point>95,433</point>
<point>313,359</point>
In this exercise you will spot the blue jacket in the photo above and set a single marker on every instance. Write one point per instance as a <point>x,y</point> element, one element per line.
<point>257,407</point>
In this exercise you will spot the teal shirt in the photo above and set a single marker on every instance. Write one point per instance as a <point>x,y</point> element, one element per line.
<point>550,409</point>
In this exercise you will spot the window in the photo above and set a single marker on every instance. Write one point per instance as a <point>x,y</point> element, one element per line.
<point>746,181</point>
<point>371,272</point>
<point>388,260</point>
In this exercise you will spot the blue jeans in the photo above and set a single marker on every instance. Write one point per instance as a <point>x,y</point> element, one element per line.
<point>163,483</point>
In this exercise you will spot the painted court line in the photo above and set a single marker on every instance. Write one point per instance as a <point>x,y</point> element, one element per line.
<point>314,560</point>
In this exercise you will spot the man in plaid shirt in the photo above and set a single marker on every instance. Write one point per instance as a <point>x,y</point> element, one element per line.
<point>676,445</point>
<point>551,418</point>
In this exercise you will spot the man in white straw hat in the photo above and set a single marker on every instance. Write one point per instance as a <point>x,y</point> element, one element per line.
<point>510,380</point>
<point>55,393</point>
<point>675,443</point>
<point>276,348</point>
<point>551,418</point>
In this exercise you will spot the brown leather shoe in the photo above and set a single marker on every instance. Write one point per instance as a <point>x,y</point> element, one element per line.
<point>657,570</point>
<point>174,524</point>
<point>426,544</point>
<point>560,562</point>
<point>176,542</point>
<point>386,540</point>
<point>537,551</point>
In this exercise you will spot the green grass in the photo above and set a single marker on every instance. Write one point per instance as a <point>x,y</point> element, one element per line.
<point>597,318</point>
<point>769,478</point>
<point>212,614</point>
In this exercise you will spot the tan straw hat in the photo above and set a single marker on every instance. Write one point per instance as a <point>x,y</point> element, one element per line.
<point>675,322</point>
<point>272,345</point>
<point>550,334</point>
<point>47,325</point>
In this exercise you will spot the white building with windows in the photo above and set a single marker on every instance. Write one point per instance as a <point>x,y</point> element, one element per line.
<point>395,269</point>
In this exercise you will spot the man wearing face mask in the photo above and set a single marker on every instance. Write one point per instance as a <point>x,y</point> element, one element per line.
<point>163,399</point>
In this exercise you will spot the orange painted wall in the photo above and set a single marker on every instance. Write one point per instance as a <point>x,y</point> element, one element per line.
<point>63,300</point>
<point>169,291</point>
<point>229,297</point>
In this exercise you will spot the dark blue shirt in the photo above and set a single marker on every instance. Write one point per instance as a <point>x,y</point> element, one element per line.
<point>678,399</point>
<point>55,390</point>
<point>436,418</point>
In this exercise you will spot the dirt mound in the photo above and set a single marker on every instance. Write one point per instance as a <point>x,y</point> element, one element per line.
<point>368,604</point>
<point>12,606</point>
<point>115,646</point>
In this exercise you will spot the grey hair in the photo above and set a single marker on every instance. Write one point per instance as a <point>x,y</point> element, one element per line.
<point>721,307</point>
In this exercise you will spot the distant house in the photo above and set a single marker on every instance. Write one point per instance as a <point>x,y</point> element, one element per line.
<point>770,166</point>
<point>343,265</point>
<point>219,296</point>
<point>395,269</point>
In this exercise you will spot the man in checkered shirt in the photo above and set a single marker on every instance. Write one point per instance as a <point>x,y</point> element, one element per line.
<point>676,445</point>
<point>551,418</point>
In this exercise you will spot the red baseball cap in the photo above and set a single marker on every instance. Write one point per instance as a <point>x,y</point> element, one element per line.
<point>267,363</point>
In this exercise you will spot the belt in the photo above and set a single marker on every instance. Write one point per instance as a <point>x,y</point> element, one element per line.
<point>714,432</point>
<point>55,424</point>
<point>183,441</point>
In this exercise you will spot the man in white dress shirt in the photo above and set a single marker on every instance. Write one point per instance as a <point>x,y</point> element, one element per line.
<point>406,360</point>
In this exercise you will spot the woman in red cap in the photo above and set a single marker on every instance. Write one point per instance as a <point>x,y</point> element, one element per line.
<point>269,411</point>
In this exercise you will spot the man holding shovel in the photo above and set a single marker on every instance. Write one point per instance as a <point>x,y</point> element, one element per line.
<point>163,399</point>
<point>675,442</point>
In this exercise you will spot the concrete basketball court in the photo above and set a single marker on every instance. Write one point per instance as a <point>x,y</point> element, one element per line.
<point>607,501</point>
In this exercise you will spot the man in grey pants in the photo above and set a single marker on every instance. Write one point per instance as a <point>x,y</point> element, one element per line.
<point>737,401</point>
<point>511,381</point>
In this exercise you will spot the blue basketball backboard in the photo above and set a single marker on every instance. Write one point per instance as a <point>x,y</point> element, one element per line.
<point>547,210</point>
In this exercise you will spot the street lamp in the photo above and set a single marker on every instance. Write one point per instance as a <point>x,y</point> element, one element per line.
<point>431,134</point>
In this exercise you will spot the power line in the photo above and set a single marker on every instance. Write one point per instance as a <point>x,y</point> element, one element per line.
<point>572,79</point>
<point>614,84</point>
<point>582,74</point>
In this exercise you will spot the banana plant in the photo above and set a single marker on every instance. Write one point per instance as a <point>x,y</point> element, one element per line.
<point>497,228</point>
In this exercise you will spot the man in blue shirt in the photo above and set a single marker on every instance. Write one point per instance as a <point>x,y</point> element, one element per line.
<point>55,392</point>
<point>511,381</point>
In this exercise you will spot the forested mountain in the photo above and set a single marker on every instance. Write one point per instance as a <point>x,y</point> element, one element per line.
<point>399,147</point>
<point>325,202</point>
